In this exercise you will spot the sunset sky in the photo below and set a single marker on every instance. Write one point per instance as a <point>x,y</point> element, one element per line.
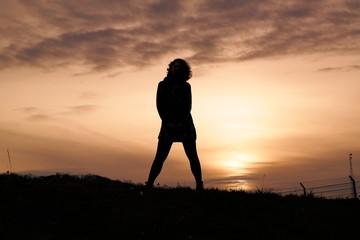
<point>276,88</point>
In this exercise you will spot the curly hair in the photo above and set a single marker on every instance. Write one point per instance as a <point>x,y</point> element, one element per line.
<point>185,70</point>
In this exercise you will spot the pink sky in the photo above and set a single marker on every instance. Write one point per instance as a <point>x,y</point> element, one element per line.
<point>275,88</point>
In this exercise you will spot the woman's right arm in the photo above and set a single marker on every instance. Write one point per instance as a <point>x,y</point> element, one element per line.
<point>161,101</point>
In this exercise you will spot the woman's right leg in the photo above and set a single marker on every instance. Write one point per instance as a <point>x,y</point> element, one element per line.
<point>162,152</point>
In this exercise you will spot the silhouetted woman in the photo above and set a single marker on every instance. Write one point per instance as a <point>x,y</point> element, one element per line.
<point>173,101</point>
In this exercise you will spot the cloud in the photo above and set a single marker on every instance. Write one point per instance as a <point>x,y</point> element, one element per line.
<point>39,117</point>
<point>80,109</point>
<point>114,159</point>
<point>345,68</point>
<point>104,35</point>
<point>38,114</point>
<point>236,181</point>
<point>35,114</point>
<point>89,95</point>
<point>28,109</point>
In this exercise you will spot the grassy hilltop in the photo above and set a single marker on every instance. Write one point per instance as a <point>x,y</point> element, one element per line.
<point>93,207</point>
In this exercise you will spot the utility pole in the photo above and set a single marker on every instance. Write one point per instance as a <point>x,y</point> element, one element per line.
<point>304,189</point>
<point>8,152</point>
<point>351,168</point>
<point>353,187</point>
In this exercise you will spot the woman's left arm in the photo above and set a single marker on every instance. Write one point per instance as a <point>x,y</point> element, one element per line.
<point>188,97</point>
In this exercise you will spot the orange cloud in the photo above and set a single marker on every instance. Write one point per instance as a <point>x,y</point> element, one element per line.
<point>108,34</point>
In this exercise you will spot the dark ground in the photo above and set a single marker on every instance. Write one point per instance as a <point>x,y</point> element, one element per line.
<point>93,207</point>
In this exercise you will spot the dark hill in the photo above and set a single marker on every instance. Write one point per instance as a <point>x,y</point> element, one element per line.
<point>93,207</point>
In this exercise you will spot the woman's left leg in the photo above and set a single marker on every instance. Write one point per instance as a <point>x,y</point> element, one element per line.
<point>191,153</point>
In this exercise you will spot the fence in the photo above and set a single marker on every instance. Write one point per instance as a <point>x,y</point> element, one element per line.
<point>342,187</point>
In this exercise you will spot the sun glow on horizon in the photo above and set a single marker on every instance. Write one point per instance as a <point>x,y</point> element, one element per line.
<point>236,162</point>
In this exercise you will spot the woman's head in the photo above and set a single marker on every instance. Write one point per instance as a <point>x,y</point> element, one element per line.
<point>180,69</point>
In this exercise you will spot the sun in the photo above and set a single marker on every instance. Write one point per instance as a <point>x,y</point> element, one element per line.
<point>236,161</point>
<point>235,168</point>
